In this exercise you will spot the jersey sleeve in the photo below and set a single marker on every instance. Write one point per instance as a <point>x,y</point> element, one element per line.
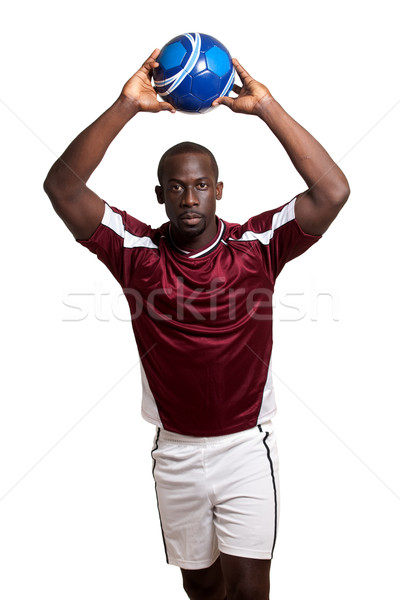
<point>115,241</point>
<point>280,236</point>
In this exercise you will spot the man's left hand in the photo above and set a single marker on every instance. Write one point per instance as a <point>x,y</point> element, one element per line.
<point>252,95</point>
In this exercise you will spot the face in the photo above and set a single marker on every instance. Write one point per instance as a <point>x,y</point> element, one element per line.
<point>189,191</point>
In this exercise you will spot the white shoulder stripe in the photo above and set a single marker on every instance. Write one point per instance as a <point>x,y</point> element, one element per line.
<point>114,221</point>
<point>134,241</point>
<point>280,218</point>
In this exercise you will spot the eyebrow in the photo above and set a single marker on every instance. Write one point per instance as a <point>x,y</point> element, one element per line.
<point>197,179</point>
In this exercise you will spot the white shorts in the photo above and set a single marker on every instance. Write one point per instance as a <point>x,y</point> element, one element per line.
<point>217,494</point>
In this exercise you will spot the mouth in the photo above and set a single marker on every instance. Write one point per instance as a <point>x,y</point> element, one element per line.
<point>191,218</point>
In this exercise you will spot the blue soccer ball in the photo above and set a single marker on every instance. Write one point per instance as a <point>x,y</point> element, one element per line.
<point>194,69</point>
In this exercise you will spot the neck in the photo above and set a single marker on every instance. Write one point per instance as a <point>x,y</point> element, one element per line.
<point>194,242</point>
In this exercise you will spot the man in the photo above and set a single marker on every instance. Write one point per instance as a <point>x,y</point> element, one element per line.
<point>199,291</point>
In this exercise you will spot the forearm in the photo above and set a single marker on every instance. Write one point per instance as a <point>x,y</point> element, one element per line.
<point>83,155</point>
<point>321,174</point>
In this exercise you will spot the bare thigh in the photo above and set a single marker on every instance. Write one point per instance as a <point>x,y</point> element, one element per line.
<point>245,578</point>
<point>205,584</point>
<point>231,578</point>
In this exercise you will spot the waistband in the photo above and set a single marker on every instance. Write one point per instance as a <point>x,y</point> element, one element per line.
<point>191,440</point>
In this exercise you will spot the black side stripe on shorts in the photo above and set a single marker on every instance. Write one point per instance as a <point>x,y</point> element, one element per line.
<point>155,486</point>
<point>274,486</point>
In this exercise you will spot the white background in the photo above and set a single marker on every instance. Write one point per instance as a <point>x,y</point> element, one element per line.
<point>77,510</point>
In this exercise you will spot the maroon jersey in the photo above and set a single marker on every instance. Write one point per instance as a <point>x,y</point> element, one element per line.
<point>202,319</point>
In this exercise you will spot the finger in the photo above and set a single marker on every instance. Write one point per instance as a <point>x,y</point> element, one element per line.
<point>241,71</point>
<point>224,100</point>
<point>151,62</point>
<point>154,54</point>
<point>237,89</point>
<point>167,106</point>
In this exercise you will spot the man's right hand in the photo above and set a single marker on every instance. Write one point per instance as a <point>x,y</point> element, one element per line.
<point>139,89</point>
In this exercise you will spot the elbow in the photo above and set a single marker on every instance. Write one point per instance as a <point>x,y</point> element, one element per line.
<point>56,193</point>
<point>339,194</point>
<point>342,191</point>
<point>57,182</point>
<point>345,191</point>
<point>59,189</point>
<point>53,192</point>
<point>47,186</point>
<point>50,184</point>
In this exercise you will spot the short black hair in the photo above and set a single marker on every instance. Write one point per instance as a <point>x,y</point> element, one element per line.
<point>186,148</point>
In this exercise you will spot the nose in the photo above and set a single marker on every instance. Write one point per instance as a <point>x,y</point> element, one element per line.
<point>190,198</point>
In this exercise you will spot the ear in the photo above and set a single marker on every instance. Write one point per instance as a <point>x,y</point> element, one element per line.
<point>159,193</point>
<point>219,188</point>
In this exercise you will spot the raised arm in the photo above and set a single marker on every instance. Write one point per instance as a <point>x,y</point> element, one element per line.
<point>77,205</point>
<point>328,188</point>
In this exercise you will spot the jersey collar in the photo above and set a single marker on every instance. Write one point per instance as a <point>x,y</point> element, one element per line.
<point>200,252</point>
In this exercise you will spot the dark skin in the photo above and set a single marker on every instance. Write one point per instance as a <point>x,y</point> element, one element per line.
<point>189,191</point>
<point>230,577</point>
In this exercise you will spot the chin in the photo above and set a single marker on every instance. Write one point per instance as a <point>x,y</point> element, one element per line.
<point>192,232</point>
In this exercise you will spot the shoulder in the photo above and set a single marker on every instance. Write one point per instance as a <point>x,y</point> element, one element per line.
<point>128,227</point>
<point>261,227</point>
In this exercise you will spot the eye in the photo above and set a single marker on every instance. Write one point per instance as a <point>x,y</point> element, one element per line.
<point>203,185</point>
<point>176,187</point>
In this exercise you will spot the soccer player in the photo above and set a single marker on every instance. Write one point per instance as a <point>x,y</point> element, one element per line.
<point>199,290</point>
